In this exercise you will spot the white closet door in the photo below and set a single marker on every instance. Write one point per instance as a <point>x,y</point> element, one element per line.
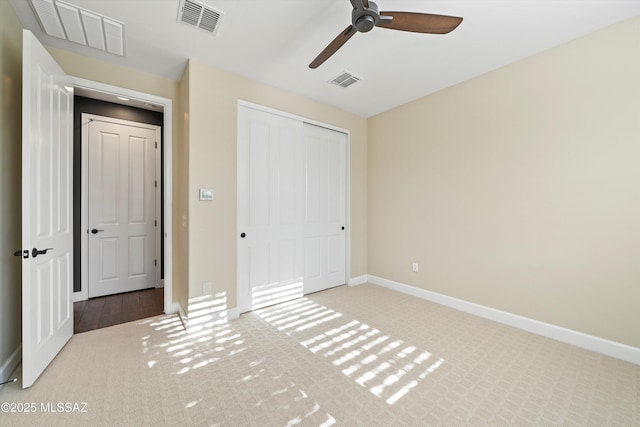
<point>325,208</point>
<point>122,200</point>
<point>270,209</point>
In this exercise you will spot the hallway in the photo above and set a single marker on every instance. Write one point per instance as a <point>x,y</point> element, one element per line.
<point>110,310</point>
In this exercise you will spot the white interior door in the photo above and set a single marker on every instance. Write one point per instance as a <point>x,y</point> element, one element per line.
<point>291,208</point>
<point>270,207</point>
<point>325,208</point>
<point>122,195</point>
<point>47,232</point>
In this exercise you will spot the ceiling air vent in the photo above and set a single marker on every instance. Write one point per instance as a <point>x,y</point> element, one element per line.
<point>67,21</point>
<point>345,79</point>
<point>200,16</point>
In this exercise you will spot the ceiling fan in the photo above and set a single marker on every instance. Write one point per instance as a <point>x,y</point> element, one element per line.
<point>365,16</point>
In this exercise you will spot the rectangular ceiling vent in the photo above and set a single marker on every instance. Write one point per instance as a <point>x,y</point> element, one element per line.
<point>200,16</point>
<point>67,21</point>
<point>345,79</point>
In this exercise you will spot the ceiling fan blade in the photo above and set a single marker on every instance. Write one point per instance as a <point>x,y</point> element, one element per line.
<point>336,44</point>
<point>354,3</point>
<point>420,22</point>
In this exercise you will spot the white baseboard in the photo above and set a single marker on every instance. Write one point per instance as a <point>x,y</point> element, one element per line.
<point>205,311</point>
<point>10,364</point>
<point>359,280</point>
<point>176,307</point>
<point>569,336</point>
<point>213,318</point>
<point>233,313</point>
<point>80,296</point>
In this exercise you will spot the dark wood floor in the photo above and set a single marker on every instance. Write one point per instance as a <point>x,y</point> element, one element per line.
<point>110,310</point>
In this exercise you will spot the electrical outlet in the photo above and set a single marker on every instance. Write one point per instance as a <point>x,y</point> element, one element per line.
<point>414,266</point>
<point>206,288</point>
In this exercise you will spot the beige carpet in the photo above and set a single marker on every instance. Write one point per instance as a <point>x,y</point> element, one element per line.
<point>348,356</point>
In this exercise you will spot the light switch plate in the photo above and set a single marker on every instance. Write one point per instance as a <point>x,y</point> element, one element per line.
<point>206,194</point>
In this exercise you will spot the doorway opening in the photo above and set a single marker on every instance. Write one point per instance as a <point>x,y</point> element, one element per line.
<point>47,208</point>
<point>108,310</point>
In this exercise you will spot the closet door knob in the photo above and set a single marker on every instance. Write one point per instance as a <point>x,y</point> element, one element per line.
<point>243,235</point>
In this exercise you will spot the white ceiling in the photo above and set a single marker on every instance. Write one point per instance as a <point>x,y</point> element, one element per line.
<point>273,41</point>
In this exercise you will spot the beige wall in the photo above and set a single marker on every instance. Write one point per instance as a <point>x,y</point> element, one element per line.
<point>212,164</point>
<point>104,72</point>
<point>10,188</point>
<point>181,198</point>
<point>518,189</point>
<point>116,75</point>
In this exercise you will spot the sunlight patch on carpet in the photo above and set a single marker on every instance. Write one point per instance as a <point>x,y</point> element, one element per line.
<point>389,368</point>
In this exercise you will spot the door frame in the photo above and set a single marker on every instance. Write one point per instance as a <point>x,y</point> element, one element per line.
<point>347,243</point>
<point>167,171</point>
<point>84,253</point>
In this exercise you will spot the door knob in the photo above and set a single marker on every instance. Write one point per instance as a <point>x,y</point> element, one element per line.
<point>243,235</point>
<point>95,231</point>
<point>35,252</point>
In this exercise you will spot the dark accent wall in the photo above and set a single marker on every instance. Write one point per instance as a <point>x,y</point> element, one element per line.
<point>117,111</point>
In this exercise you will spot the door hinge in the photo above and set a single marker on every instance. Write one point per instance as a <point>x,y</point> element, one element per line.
<point>156,183</point>
<point>155,262</point>
<point>156,145</point>
<point>156,222</point>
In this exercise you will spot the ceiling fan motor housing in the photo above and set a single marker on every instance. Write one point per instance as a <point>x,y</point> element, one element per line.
<point>365,23</point>
<point>365,18</point>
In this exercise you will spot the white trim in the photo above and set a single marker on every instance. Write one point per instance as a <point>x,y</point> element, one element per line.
<point>347,208</point>
<point>10,364</point>
<point>80,296</point>
<point>360,280</point>
<point>233,313</point>
<point>84,215</point>
<point>242,103</point>
<point>222,316</point>
<point>177,308</point>
<point>158,180</point>
<point>84,198</point>
<point>568,336</point>
<point>167,140</point>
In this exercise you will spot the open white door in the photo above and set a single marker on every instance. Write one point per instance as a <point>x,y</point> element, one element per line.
<point>47,232</point>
